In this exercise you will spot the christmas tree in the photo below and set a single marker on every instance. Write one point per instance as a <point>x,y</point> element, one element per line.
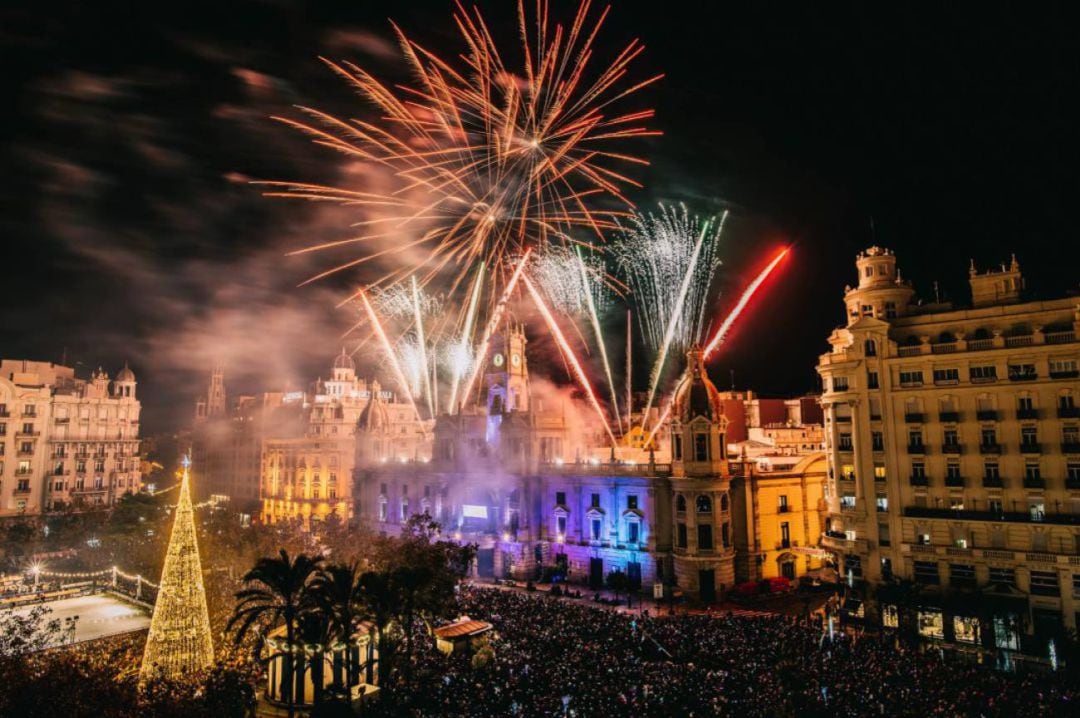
<point>179,642</point>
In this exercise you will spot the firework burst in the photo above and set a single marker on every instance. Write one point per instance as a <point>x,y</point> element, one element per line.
<point>486,161</point>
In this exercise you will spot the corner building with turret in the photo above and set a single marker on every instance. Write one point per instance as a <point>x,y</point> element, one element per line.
<point>953,442</point>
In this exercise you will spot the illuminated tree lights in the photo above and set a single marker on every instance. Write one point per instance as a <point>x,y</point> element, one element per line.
<point>179,642</point>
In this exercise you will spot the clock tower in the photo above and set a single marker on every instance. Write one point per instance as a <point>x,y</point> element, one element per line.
<point>507,373</point>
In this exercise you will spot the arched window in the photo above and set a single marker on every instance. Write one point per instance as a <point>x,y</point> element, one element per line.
<point>704,504</point>
<point>981,334</point>
<point>946,338</point>
<point>680,502</point>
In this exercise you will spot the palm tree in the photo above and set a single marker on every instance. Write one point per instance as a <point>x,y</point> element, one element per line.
<point>379,600</point>
<point>336,591</point>
<point>281,597</point>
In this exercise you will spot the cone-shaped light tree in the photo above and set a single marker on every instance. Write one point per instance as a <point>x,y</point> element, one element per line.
<point>179,642</point>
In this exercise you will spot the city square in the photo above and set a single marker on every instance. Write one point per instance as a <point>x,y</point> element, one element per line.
<point>613,361</point>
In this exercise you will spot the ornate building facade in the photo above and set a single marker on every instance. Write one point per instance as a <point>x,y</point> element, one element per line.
<point>65,441</point>
<point>515,477</point>
<point>954,449</point>
<point>346,424</point>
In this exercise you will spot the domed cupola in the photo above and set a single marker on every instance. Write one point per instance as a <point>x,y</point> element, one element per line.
<point>344,369</point>
<point>696,395</point>
<point>374,418</point>
<point>698,425</point>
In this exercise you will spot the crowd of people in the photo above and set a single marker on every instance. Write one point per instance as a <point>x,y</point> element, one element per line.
<point>558,658</point>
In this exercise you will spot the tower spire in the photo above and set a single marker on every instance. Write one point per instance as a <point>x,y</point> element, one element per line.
<point>179,641</point>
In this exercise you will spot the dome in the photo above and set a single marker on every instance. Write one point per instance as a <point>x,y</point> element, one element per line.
<point>126,375</point>
<point>344,361</point>
<point>696,395</point>
<point>374,417</point>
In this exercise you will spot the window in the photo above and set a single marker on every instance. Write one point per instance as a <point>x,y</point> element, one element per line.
<point>723,503</point>
<point>961,575</point>
<point>839,383</point>
<point>966,628</point>
<point>911,378</point>
<point>890,310</point>
<point>1072,471</point>
<point>883,535</point>
<point>918,469</point>
<point>1070,435</point>
<point>844,442</point>
<point>632,531</point>
<point>1029,436</point>
<point>560,526</point>
<point>560,498</point>
<point>981,374</point>
<point>785,535</point>
<point>1024,403</point>
<point>680,503</point>
<point>890,616</point>
<point>1022,372</point>
<point>704,504</point>
<point>596,528</point>
<point>952,470</point>
<point>868,309</point>
<point>382,510</point>
<point>927,572</point>
<point>879,472</point>
<point>1038,542</point>
<point>872,380</point>
<point>595,501</point>
<point>877,441</point>
<point>1063,369</point>
<point>991,470</point>
<point>1044,583</point>
<point>677,448</point>
<point>870,348</point>
<point>404,509</point>
<point>882,502</point>
<point>704,537</point>
<point>847,501</point>
<point>946,376</point>
<point>1037,510</point>
<point>915,439</point>
<point>680,535</point>
<point>631,501</point>
<point>782,506</point>
<point>1003,576</point>
<point>701,447</point>
<point>988,436</point>
<point>1032,471</point>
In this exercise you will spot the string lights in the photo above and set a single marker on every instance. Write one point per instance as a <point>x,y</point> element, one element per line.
<point>179,641</point>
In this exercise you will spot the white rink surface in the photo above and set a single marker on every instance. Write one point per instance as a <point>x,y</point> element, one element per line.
<point>99,616</point>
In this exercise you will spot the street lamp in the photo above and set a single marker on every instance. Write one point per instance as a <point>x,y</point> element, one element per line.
<point>35,570</point>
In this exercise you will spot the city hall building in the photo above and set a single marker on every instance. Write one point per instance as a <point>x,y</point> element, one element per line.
<point>511,475</point>
<point>953,441</point>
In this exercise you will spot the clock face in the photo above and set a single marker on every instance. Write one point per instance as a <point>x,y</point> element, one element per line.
<point>497,360</point>
<point>515,359</point>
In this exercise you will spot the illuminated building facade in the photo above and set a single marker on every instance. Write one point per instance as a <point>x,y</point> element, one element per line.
<point>347,425</point>
<point>954,450</point>
<point>65,441</point>
<point>517,479</point>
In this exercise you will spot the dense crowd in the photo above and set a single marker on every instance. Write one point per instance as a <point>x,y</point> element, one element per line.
<point>555,657</point>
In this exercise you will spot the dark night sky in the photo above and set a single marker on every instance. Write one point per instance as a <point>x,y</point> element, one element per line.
<point>130,230</point>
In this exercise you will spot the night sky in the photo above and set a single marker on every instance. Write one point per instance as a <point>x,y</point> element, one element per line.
<point>131,231</point>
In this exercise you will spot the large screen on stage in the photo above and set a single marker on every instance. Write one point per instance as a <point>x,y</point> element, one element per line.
<point>471,511</point>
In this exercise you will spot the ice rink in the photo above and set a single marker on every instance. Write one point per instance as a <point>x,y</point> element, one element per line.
<point>99,616</point>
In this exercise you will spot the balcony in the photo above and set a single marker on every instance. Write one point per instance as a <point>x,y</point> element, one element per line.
<point>783,509</point>
<point>988,448</point>
<point>1031,482</point>
<point>993,482</point>
<point>913,417</point>
<point>1072,484</point>
<point>27,434</point>
<point>1023,376</point>
<point>1030,447</point>
<point>1005,516</point>
<point>1068,412</point>
<point>1065,337</point>
<point>919,480</point>
<point>949,417</point>
<point>1070,447</point>
<point>986,415</point>
<point>5,414</point>
<point>952,449</point>
<point>943,348</point>
<point>917,449</point>
<point>978,345</point>
<point>1022,340</point>
<point>955,482</point>
<point>1027,413</point>
<point>1064,374</point>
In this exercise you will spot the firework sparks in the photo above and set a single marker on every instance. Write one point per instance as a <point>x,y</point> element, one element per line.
<point>694,278</point>
<point>422,346</point>
<point>493,323</point>
<point>568,352</point>
<point>460,355</point>
<point>595,320</point>
<point>659,253</point>
<point>747,295</point>
<point>388,350</point>
<point>486,162</point>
